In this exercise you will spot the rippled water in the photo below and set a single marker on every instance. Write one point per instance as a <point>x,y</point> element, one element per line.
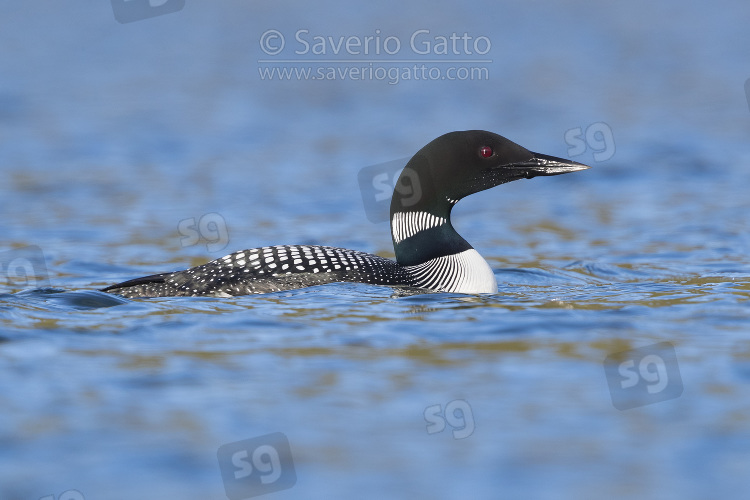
<point>614,361</point>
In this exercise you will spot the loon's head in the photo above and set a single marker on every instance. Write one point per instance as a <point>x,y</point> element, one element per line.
<point>447,169</point>
<point>458,164</point>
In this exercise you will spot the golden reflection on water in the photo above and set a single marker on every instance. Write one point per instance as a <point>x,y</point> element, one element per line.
<point>435,354</point>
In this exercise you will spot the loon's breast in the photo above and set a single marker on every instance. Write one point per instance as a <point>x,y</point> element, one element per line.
<point>463,272</point>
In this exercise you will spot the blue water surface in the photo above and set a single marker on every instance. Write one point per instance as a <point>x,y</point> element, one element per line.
<point>153,145</point>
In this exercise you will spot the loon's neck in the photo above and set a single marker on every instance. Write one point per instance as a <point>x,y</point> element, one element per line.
<point>436,256</point>
<point>422,235</point>
<point>428,248</point>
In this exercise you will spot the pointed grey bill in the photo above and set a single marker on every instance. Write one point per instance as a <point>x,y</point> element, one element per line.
<point>541,164</point>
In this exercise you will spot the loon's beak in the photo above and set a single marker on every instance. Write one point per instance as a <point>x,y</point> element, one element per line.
<point>541,164</point>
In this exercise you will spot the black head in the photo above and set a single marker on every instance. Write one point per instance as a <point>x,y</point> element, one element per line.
<point>458,164</point>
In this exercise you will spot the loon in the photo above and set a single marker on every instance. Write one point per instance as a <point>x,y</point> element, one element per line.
<point>430,254</point>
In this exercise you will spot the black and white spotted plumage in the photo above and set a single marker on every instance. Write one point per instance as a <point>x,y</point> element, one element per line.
<point>430,254</point>
<point>268,269</point>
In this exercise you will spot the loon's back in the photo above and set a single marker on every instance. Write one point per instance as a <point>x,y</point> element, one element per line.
<point>265,270</point>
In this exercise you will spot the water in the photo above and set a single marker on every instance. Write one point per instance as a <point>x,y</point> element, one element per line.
<point>129,149</point>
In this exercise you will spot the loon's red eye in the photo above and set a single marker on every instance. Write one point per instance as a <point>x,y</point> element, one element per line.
<point>485,151</point>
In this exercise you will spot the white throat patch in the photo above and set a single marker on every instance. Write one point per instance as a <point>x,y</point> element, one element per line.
<point>407,224</point>
<point>464,272</point>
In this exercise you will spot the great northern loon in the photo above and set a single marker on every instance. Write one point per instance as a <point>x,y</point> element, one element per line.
<point>430,254</point>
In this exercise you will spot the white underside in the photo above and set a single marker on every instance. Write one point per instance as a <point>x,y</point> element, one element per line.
<point>464,272</point>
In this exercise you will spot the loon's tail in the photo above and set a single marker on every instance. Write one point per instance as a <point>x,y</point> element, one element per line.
<point>148,286</point>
